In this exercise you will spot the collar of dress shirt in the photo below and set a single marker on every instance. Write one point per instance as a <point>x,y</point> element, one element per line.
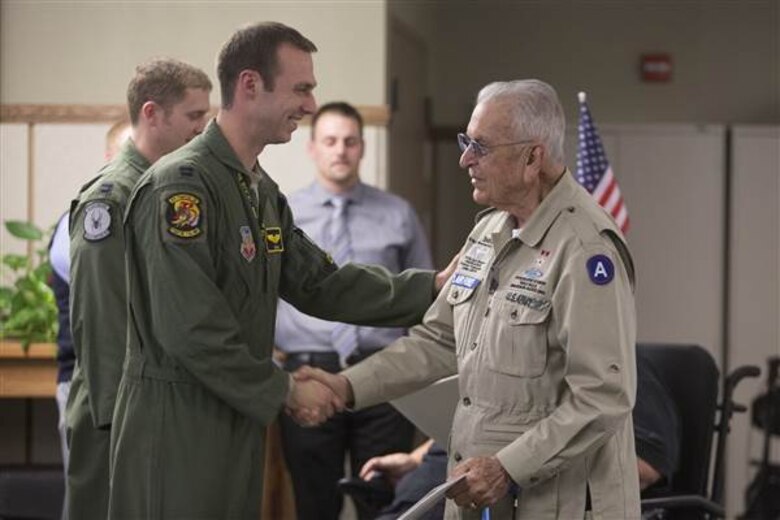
<point>322,196</point>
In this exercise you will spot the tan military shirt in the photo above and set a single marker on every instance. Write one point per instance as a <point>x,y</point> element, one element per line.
<point>540,324</point>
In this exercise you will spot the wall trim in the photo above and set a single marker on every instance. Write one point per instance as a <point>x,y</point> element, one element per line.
<point>373,115</point>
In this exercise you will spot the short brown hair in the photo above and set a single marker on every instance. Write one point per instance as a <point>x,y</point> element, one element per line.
<point>164,81</point>
<point>255,47</point>
<point>338,107</point>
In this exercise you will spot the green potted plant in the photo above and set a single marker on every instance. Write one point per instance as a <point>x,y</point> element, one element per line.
<point>28,312</point>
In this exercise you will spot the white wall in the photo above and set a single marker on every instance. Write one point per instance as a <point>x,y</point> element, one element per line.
<point>754,318</point>
<point>64,51</point>
<point>66,156</point>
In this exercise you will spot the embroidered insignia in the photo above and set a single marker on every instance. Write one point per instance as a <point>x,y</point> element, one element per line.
<point>475,260</point>
<point>544,255</point>
<point>528,301</point>
<point>106,188</point>
<point>182,215</point>
<point>248,247</point>
<point>600,269</point>
<point>186,170</point>
<point>273,240</point>
<point>461,280</point>
<point>533,273</point>
<point>97,221</point>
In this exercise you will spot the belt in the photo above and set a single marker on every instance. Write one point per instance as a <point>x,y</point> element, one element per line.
<point>325,360</point>
<point>138,368</point>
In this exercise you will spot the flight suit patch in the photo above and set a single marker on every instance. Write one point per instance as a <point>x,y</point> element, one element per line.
<point>183,215</point>
<point>106,188</point>
<point>97,221</point>
<point>273,240</point>
<point>186,170</point>
<point>601,270</point>
<point>248,246</point>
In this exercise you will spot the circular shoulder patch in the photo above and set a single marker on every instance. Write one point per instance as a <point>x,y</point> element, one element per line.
<point>601,270</point>
<point>97,221</point>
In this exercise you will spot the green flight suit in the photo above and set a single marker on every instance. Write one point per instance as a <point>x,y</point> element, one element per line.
<point>99,327</point>
<point>206,263</point>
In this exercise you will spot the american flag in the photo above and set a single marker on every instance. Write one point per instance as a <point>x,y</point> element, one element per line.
<point>593,170</point>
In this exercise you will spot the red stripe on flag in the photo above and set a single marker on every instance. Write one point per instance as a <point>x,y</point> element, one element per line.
<point>617,208</point>
<point>605,196</point>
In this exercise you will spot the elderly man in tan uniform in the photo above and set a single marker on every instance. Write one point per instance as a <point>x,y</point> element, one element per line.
<point>539,322</point>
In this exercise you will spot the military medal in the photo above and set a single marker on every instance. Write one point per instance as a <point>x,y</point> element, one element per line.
<point>248,247</point>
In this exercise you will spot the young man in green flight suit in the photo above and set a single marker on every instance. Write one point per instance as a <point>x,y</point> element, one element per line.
<point>168,102</point>
<point>211,245</point>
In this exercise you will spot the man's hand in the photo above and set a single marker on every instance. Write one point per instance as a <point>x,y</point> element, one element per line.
<point>311,403</point>
<point>443,276</point>
<point>337,383</point>
<point>486,482</point>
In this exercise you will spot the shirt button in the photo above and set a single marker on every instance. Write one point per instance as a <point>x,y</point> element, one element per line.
<point>466,401</point>
<point>455,294</point>
<point>457,456</point>
<point>473,345</point>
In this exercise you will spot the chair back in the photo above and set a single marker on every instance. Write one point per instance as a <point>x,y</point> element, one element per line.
<point>692,378</point>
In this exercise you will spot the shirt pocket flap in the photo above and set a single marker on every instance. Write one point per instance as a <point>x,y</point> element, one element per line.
<point>458,295</point>
<point>517,314</point>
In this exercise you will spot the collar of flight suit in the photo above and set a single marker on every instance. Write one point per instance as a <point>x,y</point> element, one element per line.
<point>554,203</point>
<point>215,140</point>
<point>129,153</point>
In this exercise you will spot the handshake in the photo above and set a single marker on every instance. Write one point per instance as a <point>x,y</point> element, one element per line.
<point>315,395</point>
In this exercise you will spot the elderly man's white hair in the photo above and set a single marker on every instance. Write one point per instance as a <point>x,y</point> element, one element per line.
<point>535,109</point>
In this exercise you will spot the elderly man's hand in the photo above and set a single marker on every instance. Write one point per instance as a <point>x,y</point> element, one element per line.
<point>442,276</point>
<point>311,403</point>
<point>486,482</point>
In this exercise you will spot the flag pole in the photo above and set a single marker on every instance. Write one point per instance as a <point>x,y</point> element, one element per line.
<point>581,96</point>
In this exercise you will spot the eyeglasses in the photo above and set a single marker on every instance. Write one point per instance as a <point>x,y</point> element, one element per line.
<point>481,150</point>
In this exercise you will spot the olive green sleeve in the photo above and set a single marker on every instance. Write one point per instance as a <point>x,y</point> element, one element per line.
<point>191,317</point>
<point>354,293</point>
<point>97,302</point>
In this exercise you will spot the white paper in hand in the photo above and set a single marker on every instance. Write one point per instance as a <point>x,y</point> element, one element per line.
<point>427,502</point>
<point>431,409</point>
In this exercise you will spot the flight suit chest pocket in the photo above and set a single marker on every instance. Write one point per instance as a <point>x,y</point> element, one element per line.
<point>516,339</point>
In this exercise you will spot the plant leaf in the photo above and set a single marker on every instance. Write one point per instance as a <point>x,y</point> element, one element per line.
<point>23,230</point>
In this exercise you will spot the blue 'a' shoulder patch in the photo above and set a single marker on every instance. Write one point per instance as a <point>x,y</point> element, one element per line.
<point>601,270</point>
